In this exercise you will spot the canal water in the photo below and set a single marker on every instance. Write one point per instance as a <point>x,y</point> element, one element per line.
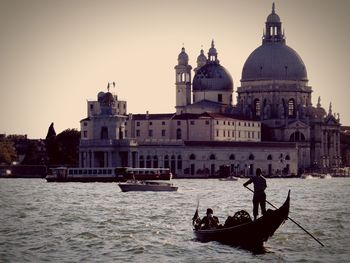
<point>96,222</point>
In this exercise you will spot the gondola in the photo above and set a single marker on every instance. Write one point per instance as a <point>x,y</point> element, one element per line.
<point>250,235</point>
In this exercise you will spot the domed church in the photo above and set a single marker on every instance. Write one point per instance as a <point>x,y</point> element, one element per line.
<point>273,126</point>
<point>274,89</point>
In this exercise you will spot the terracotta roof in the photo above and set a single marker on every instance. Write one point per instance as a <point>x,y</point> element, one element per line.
<point>161,116</point>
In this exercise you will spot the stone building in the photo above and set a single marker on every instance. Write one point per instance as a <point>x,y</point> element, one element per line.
<point>273,125</point>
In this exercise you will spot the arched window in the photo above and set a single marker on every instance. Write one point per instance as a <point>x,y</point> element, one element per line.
<point>257,107</point>
<point>269,157</point>
<point>179,162</point>
<point>172,164</point>
<point>142,161</point>
<point>178,134</point>
<point>232,157</point>
<point>155,161</point>
<point>104,133</point>
<point>166,161</point>
<point>251,157</point>
<point>192,157</point>
<point>212,157</point>
<point>287,157</point>
<point>291,107</point>
<point>148,161</point>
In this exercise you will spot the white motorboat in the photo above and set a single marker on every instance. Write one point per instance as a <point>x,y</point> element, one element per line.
<point>229,178</point>
<point>142,186</point>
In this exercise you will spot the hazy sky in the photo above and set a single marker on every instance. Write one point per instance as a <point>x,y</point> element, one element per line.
<point>55,55</point>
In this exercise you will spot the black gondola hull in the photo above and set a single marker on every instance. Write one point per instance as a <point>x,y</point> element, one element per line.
<point>248,235</point>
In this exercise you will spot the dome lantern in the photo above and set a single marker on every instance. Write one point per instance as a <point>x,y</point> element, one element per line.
<point>273,28</point>
<point>213,54</point>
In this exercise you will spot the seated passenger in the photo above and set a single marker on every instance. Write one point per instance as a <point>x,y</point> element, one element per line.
<point>209,221</point>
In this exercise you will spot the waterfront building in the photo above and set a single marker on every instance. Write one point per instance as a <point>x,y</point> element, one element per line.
<point>273,125</point>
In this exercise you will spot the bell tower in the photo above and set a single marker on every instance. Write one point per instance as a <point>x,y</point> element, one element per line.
<point>183,82</point>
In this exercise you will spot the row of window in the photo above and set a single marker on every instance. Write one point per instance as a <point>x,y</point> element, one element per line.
<point>192,122</point>
<point>291,107</point>
<point>228,133</point>
<point>211,157</point>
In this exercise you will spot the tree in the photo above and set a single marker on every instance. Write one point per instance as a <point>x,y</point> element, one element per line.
<point>68,145</point>
<point>31,155</point>
<point>51,146</point>
<point>7,151</point>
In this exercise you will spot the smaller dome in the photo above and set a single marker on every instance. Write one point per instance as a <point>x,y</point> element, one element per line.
<point>183,57</point>
<point>108,99</point>
<point>212,76</point>
<point>100,95</point>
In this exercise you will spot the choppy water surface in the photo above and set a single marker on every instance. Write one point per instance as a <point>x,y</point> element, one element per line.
<point>96,222</point>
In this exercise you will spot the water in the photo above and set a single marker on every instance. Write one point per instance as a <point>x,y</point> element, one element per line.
<point>96,222</point>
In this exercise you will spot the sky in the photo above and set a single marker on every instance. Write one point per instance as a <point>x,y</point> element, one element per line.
<point>56,55</point>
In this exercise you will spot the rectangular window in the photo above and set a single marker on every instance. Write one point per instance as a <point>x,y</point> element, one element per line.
<point>85,124</point>
<point>163,122</point>
<point>207,122</point>
<point>224,133</point>
<point>217,122</point>
<point>224,122</point>
<point>219,97</point>
<point>239,134</point>
<point>178,123</point>
<point>150,133</point>
<point>217,133</point>
<point>163,133</point>
<point>137,133</point>
<point>192,122</point>
<point>150,123</point>
<point>85,134</point>
<point>91,106</point>
<point>253,135</point>
<point>126,133</point>
<point>137,123</point>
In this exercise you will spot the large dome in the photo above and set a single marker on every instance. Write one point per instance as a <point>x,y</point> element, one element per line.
<point>274,61</point>
<point>212,76</point>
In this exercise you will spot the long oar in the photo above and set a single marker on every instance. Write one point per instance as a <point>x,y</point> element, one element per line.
<point>292,221</point>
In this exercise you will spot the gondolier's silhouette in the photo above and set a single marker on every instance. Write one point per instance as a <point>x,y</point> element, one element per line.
<point>259,197</point>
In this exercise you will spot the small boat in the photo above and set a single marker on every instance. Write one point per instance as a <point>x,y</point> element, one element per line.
<point>307,176</point>
<point>143,186</point>
<point>249,235</point>
<point>229,178</point>
<point>326,176</point>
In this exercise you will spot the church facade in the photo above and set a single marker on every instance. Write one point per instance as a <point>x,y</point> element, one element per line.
<point>273,126</point>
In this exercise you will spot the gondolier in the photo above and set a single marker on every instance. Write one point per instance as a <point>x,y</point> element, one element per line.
<point>259,193</point>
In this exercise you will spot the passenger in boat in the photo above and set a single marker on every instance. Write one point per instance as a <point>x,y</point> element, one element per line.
<point>209,221</point>
<point>259,197</point>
